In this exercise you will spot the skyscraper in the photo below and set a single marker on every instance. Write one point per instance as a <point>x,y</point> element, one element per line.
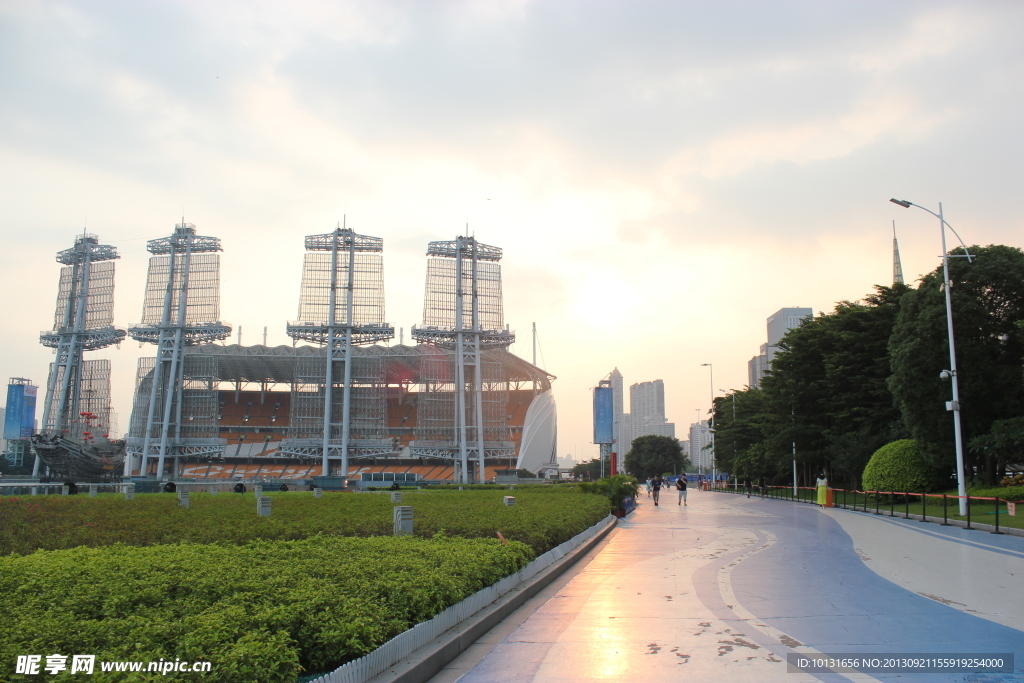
<point>647,410</point>
<point>618,415</point>
<point>778,324</point>
<point>897,267</point>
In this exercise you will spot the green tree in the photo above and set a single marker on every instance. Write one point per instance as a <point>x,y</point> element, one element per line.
<point>740,424</point>
<point>651,455</point>
<point>827,391</point>
<point>589,471</point>
<point>988,305</point>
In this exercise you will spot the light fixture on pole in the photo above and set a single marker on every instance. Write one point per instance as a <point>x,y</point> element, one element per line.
<point>954,405</point>
<point>714,465</point>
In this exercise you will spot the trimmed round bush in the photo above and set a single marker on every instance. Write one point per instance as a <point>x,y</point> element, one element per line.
<point>900,466</point>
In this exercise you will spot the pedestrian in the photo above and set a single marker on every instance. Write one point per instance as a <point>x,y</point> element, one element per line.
<point>656,487</point>
<point>822,484</point>
<point>681,488</point>
<point>648,488</point>
<point>746,485</point>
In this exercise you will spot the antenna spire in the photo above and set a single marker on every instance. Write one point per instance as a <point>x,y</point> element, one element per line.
<point>897,267</point>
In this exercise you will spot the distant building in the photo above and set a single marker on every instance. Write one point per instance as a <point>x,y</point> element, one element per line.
<point>621,431</point>
<point>779,323</point>
<point>647,410</point>
<point>700,437</point>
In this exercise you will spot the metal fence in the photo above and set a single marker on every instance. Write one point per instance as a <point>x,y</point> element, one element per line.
<point>872,501</point>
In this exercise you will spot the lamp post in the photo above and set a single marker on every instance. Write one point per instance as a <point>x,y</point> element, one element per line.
<point>953,405</point>
<point>735,483</point>
<point>714,464</point>
<point>700,460</point>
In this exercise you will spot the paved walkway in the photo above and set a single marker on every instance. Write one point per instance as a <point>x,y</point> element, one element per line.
<point>725,588</point>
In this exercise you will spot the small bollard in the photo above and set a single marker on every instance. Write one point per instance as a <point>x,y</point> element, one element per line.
<point>214,490</point>
<point>509,500</point>
<point>258,488</point>
<point>396,497</point>
<point>460,488</point>
<point>263,506</point>
<point>93,490</point>
<point>318,492</point>
<point>183,499</point>
<point>403,520</point>
<point>65,490</point>
<point>129,492</point>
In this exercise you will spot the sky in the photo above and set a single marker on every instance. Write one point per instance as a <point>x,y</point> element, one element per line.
<point>662,176</point>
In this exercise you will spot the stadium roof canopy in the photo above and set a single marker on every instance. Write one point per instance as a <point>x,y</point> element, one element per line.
<point>276,364</point>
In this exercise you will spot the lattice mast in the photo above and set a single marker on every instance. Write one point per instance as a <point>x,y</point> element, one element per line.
<point>897,267</point>
<point>181,309</point>
<point>462,309</point>
<point>82,322</point>
<point>339,311</point>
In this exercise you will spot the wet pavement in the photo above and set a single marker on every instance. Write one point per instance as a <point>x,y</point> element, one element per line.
<point>726,587</point>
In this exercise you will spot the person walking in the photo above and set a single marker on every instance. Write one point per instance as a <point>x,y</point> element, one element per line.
<point>746,485</point>
<point>822,484</point>
<point>656,488</point>
<point>681,488</point>
<point>648,488</point>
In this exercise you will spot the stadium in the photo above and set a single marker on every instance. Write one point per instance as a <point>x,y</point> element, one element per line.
<point>456,406</point>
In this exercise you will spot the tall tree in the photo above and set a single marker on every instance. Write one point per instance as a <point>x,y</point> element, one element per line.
<point>740,424</point>
<point>988,305</point>
<point>827,390</point>
<point>651,455</point>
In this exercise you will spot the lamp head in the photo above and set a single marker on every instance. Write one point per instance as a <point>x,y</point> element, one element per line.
<point>902,202</point>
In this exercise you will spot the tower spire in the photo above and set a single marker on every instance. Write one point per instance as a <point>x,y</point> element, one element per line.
<point>897,268</point>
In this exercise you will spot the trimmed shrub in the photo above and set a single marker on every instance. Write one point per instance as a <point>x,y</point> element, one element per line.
<point>262,612</point>
<point>900,466</point>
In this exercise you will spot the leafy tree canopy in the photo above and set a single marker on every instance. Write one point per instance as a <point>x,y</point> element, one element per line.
<point>988,305</point>
<point>651,455</point>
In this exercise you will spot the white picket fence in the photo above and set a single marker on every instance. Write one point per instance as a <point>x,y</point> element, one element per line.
<point>407,642</point>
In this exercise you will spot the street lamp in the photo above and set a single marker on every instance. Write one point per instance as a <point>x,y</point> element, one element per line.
<point>953,405</point>
<point>714,464</point>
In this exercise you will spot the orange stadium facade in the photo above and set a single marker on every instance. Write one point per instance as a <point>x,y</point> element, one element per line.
<point>255,413</point>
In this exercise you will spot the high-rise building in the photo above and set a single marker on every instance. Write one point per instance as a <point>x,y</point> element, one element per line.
<point>778,324</point>
<point>647,410</point>
<point>897,266</point>
<point>700,437</point>
<point>621,446</point>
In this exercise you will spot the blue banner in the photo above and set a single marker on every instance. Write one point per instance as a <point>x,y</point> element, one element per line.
<point>603,414</point>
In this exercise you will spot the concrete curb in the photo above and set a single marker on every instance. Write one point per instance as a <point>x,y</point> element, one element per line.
<point>429,660</point>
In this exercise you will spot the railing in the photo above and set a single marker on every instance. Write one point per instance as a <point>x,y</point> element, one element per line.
<point>855,499</point>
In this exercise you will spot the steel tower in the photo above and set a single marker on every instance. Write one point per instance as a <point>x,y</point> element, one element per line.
<point>462,310</point>
<point>341,306</point>
<point>83,321</point>
<point>181,309</point>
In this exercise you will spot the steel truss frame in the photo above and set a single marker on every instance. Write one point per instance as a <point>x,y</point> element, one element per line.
<point>82,322</point>
<point>185,317</point>
<point>354,258</point>
<point>475,275</point>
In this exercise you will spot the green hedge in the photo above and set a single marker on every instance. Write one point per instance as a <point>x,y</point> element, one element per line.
<point>899,466</point>
<point>265,611</point>
<point>540,518</point>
